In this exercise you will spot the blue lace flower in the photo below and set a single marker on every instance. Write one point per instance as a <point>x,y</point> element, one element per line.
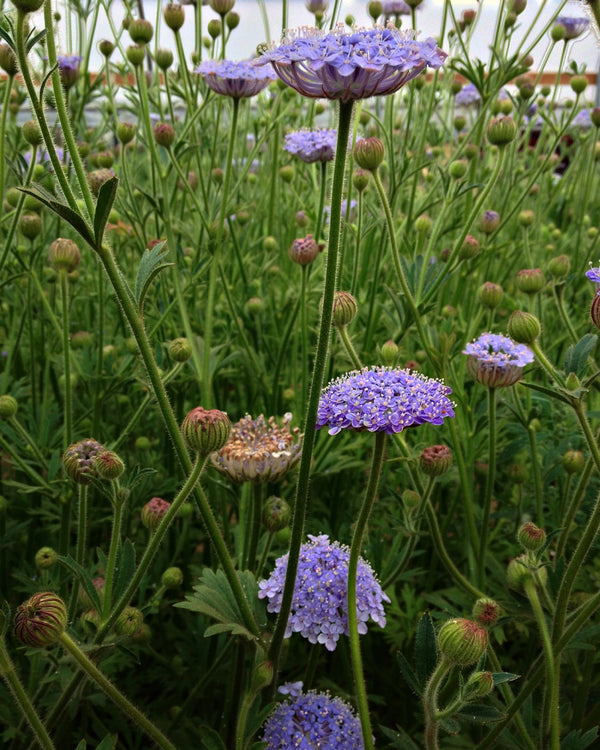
<point>382,399</point>
<point>313,720</point>
<point>468,96</point>
<point>582,119</point>
<point>351,65</point>
<point>395,8</point>
<point>320,602</point>
<point>312,145</point>
<point>496,360</point>
<point>593,275</point>
<point>235,79</point>
<point>574,27</point>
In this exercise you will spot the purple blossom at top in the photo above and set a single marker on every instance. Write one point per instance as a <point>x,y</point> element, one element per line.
<point>320,602</point>
<point>68,68</point>
<point>593,275</point>
<point>496,360</point>
<point>468,95</point>
<point>312,145</point>
<point>383,399</point>
<point>313,720</point>
<point>235,79</point>
<point>395,8</point>
<point>351,65</point>
<point>573,27</point>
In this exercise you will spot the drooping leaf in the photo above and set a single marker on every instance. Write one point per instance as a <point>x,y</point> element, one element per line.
<point>151,264</point>
<point>61,209</point>
<point>479,713</point>
<point>211,739</point>
<point>425,649</point>
<point>578,354</point>
<point>575,740</point>
<point>84,579</point>
<point>500,677</point>
<point>104,204</point>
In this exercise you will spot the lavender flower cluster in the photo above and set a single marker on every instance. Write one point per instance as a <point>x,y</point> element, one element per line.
<point>496,360</point>
<point>468,96</point>
<point>312,720</point>
<point>237,80</point>
<point>593,275</point>
<point>312,145</point>
<point>350,66</point>
<point>395,8</point>
<point>320,606</point>
<point>383,399</point>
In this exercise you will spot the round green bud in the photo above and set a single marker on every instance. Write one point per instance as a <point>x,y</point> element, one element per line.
<point>287,173</point>
<point>8,406</point>
<point>108,465</point>
<point>214,28</point>
<point>32,133</point>
<point>526,218</point>
<point>558,32</point>
<point>45,558</point>
<point>559,266</point>
<point>389,352</point>
<point>369,153</point>
<point>411,499</point>
<point>64,255</point>
<point>270,244</point>
<point>573,462</point>
<point>135,53</point>
<point>344,309</point>
<point>423,224</point>
<point>41,620</point>
<point>142,443</point>
<point>458,168</point>
<point>232,20</point>
<point>180,350</point>
<point>255,305</point>
<point>530,280</point>
<point>90,621</point>
<point>30,225</point>
<point>490,294</point>
<point>129,622</point>
<point>578,84</point>
<point>106,47</point>
<point>97,178</point>
<point>140,30</point>
<point>206,430</point>
<point>172,578</point>
<point>174,16</point>
<point>28,6</point>
<point>125,132</point>
<point>276,514</point>
<point>531,537</point>
<point>8,60</point>
<point>360,179</point>
<point>517,473</point>
<point>462,642</point>
<point>262,676</point>
<point>523,327</point>
<point>164,58</point>
<point>501,131</point>
<point>469,248</point>
<point>222,7</point>
<point>477,686</point>
<point>375,9</point>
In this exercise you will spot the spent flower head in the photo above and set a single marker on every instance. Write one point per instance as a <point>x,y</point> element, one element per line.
<point>238,80</point>
<point>312,145</point>
<point>383,399</point>
<point>320,602</point>
<point>496,360</point>
<point>350,65</point>
<point>310,720</point>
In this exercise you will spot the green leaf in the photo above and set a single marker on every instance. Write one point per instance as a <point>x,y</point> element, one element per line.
<point>577,355</point>
<point>575,740</point>
<point>32,41</point>
<point>211,739</point>
<point>213,597</point>
<point>408,674</point>
<point>552,392</point>
<point>62,210</point>
<point>500,677</point>
<point>82,745</point>
<point>4,619</point>
<point>106,198</point>
<point>450,725</point>
<point>425,649</point>
<point>399,738</point>
<point>151,264</point>
<point>125,568</point>
<point>84,579</point>
<point>108,743</point>
<point>478,713</point>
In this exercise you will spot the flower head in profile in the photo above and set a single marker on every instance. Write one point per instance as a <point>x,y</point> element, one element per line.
<point>312,145</point>
<point>383,399</point>
<point>496,361</point>
<point>235,79</point>
<point>351,65</point>
<point>320,602</point>
<point>574,27</point>
<point>468,96</point>
<point>395,8</point>
<point>259,450</point>
<point>309,720</point>
<point>68,68</point>
<point>594,275</point>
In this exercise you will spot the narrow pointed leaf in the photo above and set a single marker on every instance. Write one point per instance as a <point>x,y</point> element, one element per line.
<point>106,198</point>
<point>84,579</point>
<point>425,649</point>
<point>61,209</point>
<point>152,263</point>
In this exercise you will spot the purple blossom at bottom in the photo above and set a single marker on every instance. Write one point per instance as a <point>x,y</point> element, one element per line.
<point>574,27</point>
<point>320,602</point>
<point>235,79</point>
<point>313,720</point>
<point>496,360</point>
<point>383,399</point>
<point>312,145</point>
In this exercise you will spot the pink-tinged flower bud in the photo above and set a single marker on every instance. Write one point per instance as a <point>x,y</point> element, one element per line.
<point>129,622</point>
<point>304,250</point>
<point>276,514</point>
<point>141,31</point>
<point>344,309</point>
<point>206,430</point>
<point>559,266</point>
<point>369,153</point>
<point>436,460</point>
<point>153,512</point>
<point>501,131</point>
<point>530,280</point>
<point>469,248</point>
<point>8,406</point>
<point>164,134</point>
<point>573,462</point>
<point>108,465</point>
<point>174,16</point>
<point>8,60</point>
<point>180,350</point>
<point>41,620</point>
<point>462,642</point>
<point>490,294</point>
<point>45,558</point>
<point>531,537</point>
<point>523,327</point>
<point>78,460</point>
<point>486,611</point>
<point>595,310</point>
<point>97,178</point>
<point>172,578</point>
<point>477,686</point>
<point>84,601</point>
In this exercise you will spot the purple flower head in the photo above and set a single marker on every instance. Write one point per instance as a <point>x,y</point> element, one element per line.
<point>468,95</point>
<point>312,720</point>
<point>582,119</point>
<point>573,27</point>
<point>235,79</point>
<point>68,68</point>
<point>351,65</point>
<point>312,145</point>
<point>395,8</point>
<point>593,275</point>
<point>320,603</point>
<point>353,205</point>
<point>496,360</point>
<point>383,399</point>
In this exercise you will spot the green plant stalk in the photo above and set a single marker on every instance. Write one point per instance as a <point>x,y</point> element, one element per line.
<point>558,294</point>
<point>465,485</point>
<point>8,672</point>
<point>8,84</point>
<point>359,228</point>
<point>430,707</point>
<point>349,347</point>
<point>68,395</point>
<point>17,215</point>
<point>31,473</point>
<point>84,70</point>
<point>550,666</point>
<point>99,341</point>
<point>115,542</point>
<point>321,207</point>
<point>255,525</point>
<point>541,359</point>
<point>207,389</point>
<point>489,486</point>
<point>310,420</point>
<point>537,477</point>
<point>355,549</point>
<point>115,695</point>
<point>28,440</point>
<point>304,334</point>
<point>572,508</point>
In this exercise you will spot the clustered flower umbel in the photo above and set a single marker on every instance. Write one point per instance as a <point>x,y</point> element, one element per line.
<point>351,65</point>
<point>238,80</point>
<point>310,720</point>
<point>496,361</point>
<point>320,603</point>
<point>312,145</point>
<point>259,450</point>
<point>383,399</point>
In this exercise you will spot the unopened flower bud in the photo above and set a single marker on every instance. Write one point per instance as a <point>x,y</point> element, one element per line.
<point>8,406</point>
<point>435,460</point>
<point>45,558</point>
<point>572,382</point>
<point>129,622</point>
<point>477,686</point>
<point>523,327</point>
<point>232,20</point>
<point>531,537</point>
<point>28,6</point>
<point>530,280</point>
<point>578,84</point>
<point>486,611</point>
<point>174,16</point>
<point>490,294</point>
<point>262,676</point>
<point>214,28</point>
<point>172,578</point>
<point>206,430</point>
<point>164,58</point>
<point>41,620</point>
<point>276,514</point>
<point>125,132</point>
<point>389,352</point>
<point>78,460</point>
<point>344,309</point>
<point>8,60</point>
<point>30,225</point>
<point>517,473</point>
<point>222,7</point>
<point>462,642</point>
<point>360,179</point>
<point>135,53</point>
<point>97,178</point>
<point>84,601</point>
<point>164,134</point>
<point>369,153</point>
<point>375,9</point>
<point>573,462</point>
<point>501,131</point>
<point>32,133</point>
<point>140,30</point>
<point>287,173</point>
<point>90,621</point>
<point>411,499</point>
<point>180,350</point>
<point>458,168</point>
<point>108,465</point>
<point>304,250</point>
<point>490,221</point>
<point>106,47</point>
<point>469,248</point>
<point>153,512</point>
<point>559,266</point>
<point>526,218</point>
<point>423,224</point>
<point>595,310</point>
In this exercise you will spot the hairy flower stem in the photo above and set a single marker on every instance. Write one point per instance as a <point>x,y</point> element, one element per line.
<point>349,347</point>
<point>310,419</point>
<point>430,706</point>
<point>357,540</point>
<point>115,695</point>
<point>115,541</point>
<point>321,207</point>
<point>489,486</point>
<point>8,672</point>
<point>8,84</point>
<point>68,399</point>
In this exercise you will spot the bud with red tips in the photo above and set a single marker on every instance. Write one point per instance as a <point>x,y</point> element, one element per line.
<point>436,460</point>
<point>304,250</point>
<point>531,537</point>
<point>486,611</point>
<point>41,620</point>
<point>153,512</point>
<point>462,642</point>
<point>206,430</point>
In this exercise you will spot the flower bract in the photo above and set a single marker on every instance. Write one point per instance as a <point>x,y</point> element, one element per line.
<point>312,145</point>
<point>496,360</point>
<point>235,79</point>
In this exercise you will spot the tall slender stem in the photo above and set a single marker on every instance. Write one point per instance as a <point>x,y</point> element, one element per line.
<point>489,486</point>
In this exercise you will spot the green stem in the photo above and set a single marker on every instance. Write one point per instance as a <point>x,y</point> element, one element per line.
<point>567,518</point>
<point>348,346</point>
<point>115,695</point>
<point>8,84</point>
<point>430,708</point>
<point>489,486</point>
<point>355,549</point>
<point>321,207</point>
<point>64,293</point>
<point>465,485</point>
<point>115,540</point>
